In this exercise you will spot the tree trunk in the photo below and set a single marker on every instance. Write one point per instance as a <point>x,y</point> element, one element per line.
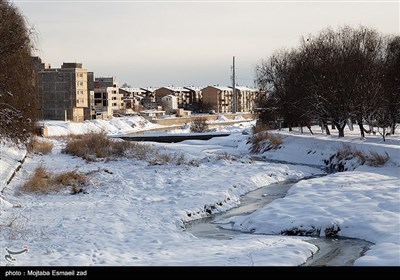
<point>309,128</point>
<point>341,131</point>
<point>340,128</point>
<point>290,127</point>
<point>393,128</point>
<point>360,124</point>
<point>383,134</point>
<point>326,127</point>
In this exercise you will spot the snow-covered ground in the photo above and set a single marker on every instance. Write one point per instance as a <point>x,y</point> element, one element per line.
<point>11,157</point>
<point>112,126</point>
<point>133,213</point>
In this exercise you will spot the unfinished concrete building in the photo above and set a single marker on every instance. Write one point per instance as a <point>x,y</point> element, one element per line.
<point>64,92</point>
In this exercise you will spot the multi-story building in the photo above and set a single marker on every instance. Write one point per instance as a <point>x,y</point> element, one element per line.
<point>64,92</point>
<point>149,99</point>
<point>107,98</point>
<point>195,98</point>
<point>182,95</point>
<point>169,103</point>
<point>246,98</point>
<point>220,98</point>
<point>132,98</point>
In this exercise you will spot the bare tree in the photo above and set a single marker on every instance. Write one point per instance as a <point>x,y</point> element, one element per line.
<point>18,95</point>
<point>391,82</point>
<point>335,76</point>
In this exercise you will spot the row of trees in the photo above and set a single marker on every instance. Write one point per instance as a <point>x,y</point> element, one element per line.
<point>349,74</point>
<point>18,98</point>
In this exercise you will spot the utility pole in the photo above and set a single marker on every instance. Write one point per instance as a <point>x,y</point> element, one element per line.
<point>233,88</point>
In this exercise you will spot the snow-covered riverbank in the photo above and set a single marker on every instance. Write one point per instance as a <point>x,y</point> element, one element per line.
<point>133,212</point>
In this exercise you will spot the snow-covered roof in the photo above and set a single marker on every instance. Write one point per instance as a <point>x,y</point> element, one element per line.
<point>133,90</point>
<point>149,89</point>
<point>177,89</point>
<point>222,88</point>
<point>243,88</point>
<point>193,88</point>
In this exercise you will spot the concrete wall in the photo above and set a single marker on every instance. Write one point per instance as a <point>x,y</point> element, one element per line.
<point>182,120</point>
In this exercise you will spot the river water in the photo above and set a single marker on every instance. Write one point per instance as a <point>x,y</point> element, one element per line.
<point>332,251</point>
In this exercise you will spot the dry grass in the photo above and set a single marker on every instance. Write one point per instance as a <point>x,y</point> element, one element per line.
<point>161,158</point>
<point>91,146</point>
<point>259,128</point>
<point>226,156</point>
<point>40,146</point>
<point>346,152</point>
<point>142,151</point>
<point>199,125</point>
<point>39,181</point>
<point>264,141</point>
<point>375,159</point>
<point>43,181</point>
<point>94,145</point>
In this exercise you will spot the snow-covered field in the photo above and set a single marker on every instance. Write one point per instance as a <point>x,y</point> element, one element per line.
<point>133,213</point>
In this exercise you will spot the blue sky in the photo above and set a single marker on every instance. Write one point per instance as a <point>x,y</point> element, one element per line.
<point>184,43</point>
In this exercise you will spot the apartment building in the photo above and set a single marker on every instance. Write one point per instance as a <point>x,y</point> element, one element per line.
<point>132,98</point>
<point>220,98</point>
<point>63,92</point>
<point>246,98</point>
<point>182,95</point>
<point>195,98</point>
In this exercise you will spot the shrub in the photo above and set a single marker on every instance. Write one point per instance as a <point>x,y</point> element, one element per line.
<point>375,159</point>
<point>40,146</point>
<point>342,159</point>
<point>346,152</point>
<point>97,145</point>
<point>91,146</point>
<point>226,156</point>
<point>175,158</point>
<point>38,181</point>
<point>264,141</point>
<point>44,181</point>
<point>142,151</point>
<point>68,178</point>
<point>199,125</point>
<point>259,128</point>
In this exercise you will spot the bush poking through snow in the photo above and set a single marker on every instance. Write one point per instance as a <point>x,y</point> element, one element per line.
<point>96,145</point>
<point>264,141</point>
<point>259,128</point>
<point>226,156</point>
<point>375,159</point>
<point>329,231</point>
<point>199,125</point>
<point>348,158</point>
<point>40,146</point>
<point>43,181</point>
<point>173,158</point>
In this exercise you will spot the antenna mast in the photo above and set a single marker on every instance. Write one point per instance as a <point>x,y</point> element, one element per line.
<point>233,87</point>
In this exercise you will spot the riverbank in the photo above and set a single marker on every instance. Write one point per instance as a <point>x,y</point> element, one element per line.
<point>133,213</point>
